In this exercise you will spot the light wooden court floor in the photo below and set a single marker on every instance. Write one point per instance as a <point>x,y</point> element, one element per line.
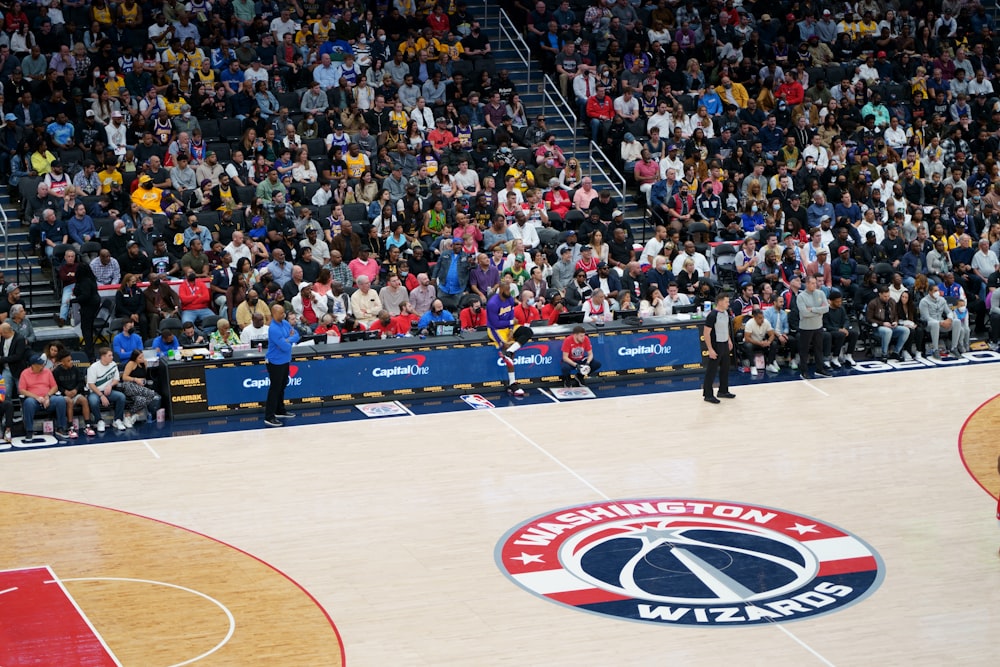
<point>392,523</point>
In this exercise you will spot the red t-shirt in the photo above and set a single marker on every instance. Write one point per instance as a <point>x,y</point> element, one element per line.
<point>467,319</point>
<point>577,351</point>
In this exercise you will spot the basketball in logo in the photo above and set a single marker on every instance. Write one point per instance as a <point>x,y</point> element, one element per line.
<point>690,562</point>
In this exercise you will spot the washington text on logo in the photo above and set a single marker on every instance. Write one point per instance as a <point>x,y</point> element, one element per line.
<point>411,364</point>
<point>690,562</point>
<point>658,345</point>
<point>257,383</point>
<point>535,354</point>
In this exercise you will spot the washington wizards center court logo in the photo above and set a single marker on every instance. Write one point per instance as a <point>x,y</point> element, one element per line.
<point>690,562</point>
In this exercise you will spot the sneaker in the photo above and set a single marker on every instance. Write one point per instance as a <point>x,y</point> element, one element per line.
<point>826,365</point>
<point>823,372</point>
<point>907,356</point>
<point>515,390</point>
<point>60,435</point>
<point>6,435</point>
<point>285,415</point>
<point>129,421</point>
<point>89,430</point>
<point>72,433</point>
<point>849,360</point>
<point>101,426</point>
<point>794,365</point>
<point>119,425</point>
<point>753,371</point>
<point>774,368</point>
<point>272,422</point>
<point>835,362</point>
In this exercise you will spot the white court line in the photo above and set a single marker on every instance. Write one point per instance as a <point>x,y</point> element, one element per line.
<point>546,453</point>
<point>547,394</point>
<point>815,388</point>
<point>593,488</point>
<point>404,408</point>
<point>9,590</point>
<point>57,581</point>
<point>150,448</point>
<point>229,614</point>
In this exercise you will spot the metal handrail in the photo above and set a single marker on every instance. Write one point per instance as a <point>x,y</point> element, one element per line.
<point>513,36</point>
<point>592,164</point>
<point>4,222</point>
<point>547,95</point>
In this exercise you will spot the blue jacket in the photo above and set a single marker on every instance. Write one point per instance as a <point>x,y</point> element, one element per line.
<point>123,345</point>
<point>280,338</point>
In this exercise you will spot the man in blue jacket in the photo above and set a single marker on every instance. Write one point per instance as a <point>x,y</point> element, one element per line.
<point>280,338</point>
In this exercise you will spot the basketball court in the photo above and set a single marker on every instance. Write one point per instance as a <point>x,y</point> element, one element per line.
<point>414,538</point>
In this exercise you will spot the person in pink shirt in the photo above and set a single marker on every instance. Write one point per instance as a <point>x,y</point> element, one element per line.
<point>362,265</point>
<point>38,387</point>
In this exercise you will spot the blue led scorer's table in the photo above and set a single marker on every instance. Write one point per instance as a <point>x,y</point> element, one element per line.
<point>399,367</point>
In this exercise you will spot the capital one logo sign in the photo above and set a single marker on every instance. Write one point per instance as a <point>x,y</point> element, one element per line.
<point>534,354</point>
<point>646,346</point>
<point>406,365</point>
<point>264,382</point>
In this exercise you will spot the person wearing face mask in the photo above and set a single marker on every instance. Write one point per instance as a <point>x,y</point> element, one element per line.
<point>252,305</point>
<point>195,299</point>
<point>473,316</point>
<point>161,301</point>
<point>526,311</point>
<point>752,219</point>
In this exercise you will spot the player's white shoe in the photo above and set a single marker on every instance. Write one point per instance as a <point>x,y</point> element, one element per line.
<point>515,390</point>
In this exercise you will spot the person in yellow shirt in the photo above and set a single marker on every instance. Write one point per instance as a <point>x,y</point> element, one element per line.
<point>731,92</point>
<point>206,74</point>
<point>115,83</point>
<point>867,27</point>
<point>42,159</point>
<point>109,176</point>
<point>147,197</point>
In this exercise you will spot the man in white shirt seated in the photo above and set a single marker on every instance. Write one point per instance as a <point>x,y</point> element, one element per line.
<point>256,332</point>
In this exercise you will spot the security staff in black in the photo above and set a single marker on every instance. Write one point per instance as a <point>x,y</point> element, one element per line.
<point>719,341</point>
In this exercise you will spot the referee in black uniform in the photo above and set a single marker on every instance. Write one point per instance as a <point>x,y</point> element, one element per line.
<point>719,343</point>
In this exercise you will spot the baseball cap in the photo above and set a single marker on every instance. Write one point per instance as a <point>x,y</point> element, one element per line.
<point>881,54</point>
<point>90,113</point>
<point>130,244</point>
<point>616,213</point>
<point>10,116</point>
<point>38,359</point>
<point>145,178</point>
<point>825,217</point>
<point>870,235</point>
<point>765,17</point>
<point>671,147</point>
<point>826,12</point>
<point>602,265</point>
<point>585,247</point>
<point>842,249</point>
<point>822,251</point>
<point>114,114</point>
<point>244,40</point>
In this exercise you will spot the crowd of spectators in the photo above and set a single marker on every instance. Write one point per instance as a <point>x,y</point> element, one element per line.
<point>854,142</point>
<point>371,168</point>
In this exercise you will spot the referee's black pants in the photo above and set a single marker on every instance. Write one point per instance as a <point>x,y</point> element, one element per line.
<point>278,375</point>
<point>718,365</point>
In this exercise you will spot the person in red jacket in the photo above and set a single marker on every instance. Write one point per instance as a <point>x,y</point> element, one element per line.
<point>791,91</point>
<point>600,113</point>
<point>195,299</point>
<point>473,316</point>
